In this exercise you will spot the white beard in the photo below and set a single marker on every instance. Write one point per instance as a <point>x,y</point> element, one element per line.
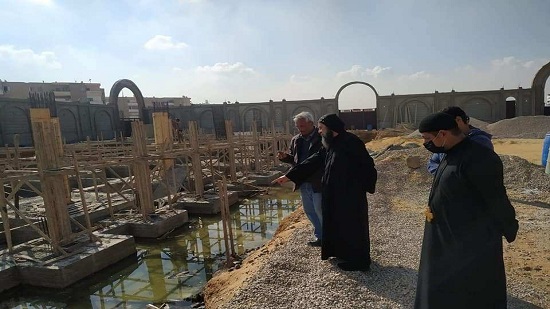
<point>324,142</point>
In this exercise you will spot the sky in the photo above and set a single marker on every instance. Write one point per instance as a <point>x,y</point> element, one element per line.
<point>257,50</point>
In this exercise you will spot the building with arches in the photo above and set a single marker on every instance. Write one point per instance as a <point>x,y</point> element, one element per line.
<point>488,105</point>
<point>79,120</point>
<point>211,117</point>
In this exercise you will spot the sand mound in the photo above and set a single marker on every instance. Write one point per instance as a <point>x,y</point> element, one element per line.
<point>396,142</point>
<point>365,136</point>
<point>226,283</point>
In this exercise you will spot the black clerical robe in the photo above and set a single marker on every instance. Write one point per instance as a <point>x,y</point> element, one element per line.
<point>461,264</point>
<point>348,174</point>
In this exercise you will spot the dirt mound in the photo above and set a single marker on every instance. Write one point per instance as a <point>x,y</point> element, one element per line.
<point>225,283</point>
<point>378,145</point>
<point>521,177</point>
<point>290,220</point>
<point>365,136</point>
<point>521,127</point>
<point>392,133</point>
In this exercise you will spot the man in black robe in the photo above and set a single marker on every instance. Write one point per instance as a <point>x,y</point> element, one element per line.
<point>349,174</point>
<point>461,264</point>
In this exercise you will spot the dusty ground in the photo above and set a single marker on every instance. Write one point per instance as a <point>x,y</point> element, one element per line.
<point>527,259</point>
<point>529,149</point>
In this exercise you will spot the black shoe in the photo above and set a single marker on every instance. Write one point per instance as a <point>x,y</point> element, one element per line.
<point>316,243</point>
<point>349,266</point>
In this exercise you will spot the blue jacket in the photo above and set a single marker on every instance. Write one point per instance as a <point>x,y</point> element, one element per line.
<point>475,135</point>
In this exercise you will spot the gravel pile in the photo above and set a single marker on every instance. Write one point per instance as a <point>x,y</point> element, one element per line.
<point>415,134</point>
<point>480,124</point>
<point>525,179</point>
<point>521,127</point>
<point>295,277</point>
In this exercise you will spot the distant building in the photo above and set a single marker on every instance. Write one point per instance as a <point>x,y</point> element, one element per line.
<point>128,106</point>
<point>63,91</point>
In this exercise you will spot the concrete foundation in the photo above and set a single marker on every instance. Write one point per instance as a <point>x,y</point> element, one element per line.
<point>243,189</point>
<point>264,178</point>
<point>22,232</point>
<point>210,203</point>
<point>159,223</point>
<point>120,170</point>
<point>101,212</point>
<point>8,273</point>
<point>116,184</point>
<point>35,266</point>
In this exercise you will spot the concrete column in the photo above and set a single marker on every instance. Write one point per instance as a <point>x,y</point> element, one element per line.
<point>256,145</point>
<point>4,214</point>
<point>519,103</point>
<point>54,185</point>
<point>141,171</point>
<point>231,145</point>
<point>164,136</point>
<point>196,158</point>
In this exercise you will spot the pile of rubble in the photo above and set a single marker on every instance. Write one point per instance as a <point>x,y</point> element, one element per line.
<point>521,127</point>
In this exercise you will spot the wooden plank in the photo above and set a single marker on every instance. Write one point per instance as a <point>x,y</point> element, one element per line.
<point>39,114</point>
<point>141,170</point>
<point>31,224</point>
<point>195,158</point>
<point>83,199</point>
<point>162,127</point>
<point>5,218</point>
<point>53,185</point>
<point>231,150</point>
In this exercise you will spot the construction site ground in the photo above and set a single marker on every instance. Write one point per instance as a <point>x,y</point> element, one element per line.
<point>286,273</point>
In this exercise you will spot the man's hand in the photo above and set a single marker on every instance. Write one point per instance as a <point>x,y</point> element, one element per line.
<point>282,155</point>
<point>280,180</point>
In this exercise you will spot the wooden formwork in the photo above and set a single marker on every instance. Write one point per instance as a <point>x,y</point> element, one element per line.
<point>144,162</point>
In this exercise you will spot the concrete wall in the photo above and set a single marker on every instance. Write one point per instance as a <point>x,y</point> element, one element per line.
<point>243,114</point>
<point>78,120</point>
<point>489,106</point>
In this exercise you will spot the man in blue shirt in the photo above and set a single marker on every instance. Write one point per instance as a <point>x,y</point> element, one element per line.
<point>463,121</point>
<point>303,145</point>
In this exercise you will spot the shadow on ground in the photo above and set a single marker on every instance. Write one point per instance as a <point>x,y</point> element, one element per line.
<point>534,203</point>
<point>516,303</point>
<point>398,284</point>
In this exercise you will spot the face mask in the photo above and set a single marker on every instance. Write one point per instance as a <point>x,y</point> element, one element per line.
<point>433,148</point>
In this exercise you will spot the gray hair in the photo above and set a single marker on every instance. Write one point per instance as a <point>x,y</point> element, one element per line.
<point>304,115</point>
